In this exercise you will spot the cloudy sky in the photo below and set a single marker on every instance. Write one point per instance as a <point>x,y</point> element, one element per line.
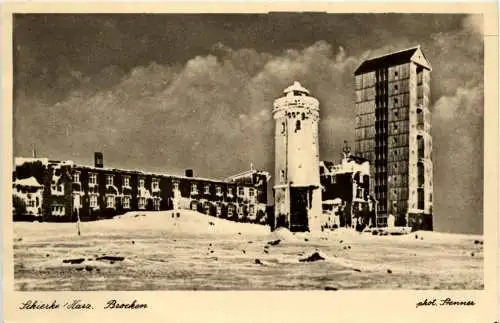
<point>170,92</point>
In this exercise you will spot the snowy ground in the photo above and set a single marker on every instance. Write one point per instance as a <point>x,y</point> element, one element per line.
<point>198,252</point>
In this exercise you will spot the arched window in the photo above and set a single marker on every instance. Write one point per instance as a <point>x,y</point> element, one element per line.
<point>297,125</point>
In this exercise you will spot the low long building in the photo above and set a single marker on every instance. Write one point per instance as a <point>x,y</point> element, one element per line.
<point>64,191</point>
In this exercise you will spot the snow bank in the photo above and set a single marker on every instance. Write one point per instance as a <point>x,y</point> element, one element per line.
<point>188,221</point>
<point>282,234</point>
<point>440,237</point>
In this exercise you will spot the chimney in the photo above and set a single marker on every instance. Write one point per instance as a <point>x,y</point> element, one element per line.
<point>98,160</point>
<point>189,173</point>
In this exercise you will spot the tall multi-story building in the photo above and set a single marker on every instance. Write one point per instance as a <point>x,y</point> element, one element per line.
<point>393,133</point>
<point>297,192</point>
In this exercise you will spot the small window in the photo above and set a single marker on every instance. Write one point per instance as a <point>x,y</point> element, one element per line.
<point>251,193</point>
<point>297,125</point>
<point>241,191</point>
<point>176,186</point>
<point>230,191</point>
<point>156,204</point>
<point>142,203</point>
<point>110,201</point>
<point>395,87</point>
<point>93,201</point>
<point>395,101</point>
<point>283,127</point>
<point>155,184</point>
<point>218,190</point>
<point>76,177</point>
<point>396,73</point>
<point>207,189</point>
<point>126,202</point>
<point>141,183</point>
<point>126,181</point>
<point>109,180</point>
<point>194,189</point>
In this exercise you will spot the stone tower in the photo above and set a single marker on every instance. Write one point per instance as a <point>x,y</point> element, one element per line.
<point>393,132</point>
<point>297,192</point>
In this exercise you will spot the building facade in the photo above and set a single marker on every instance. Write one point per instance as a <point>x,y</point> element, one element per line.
<point>297,194</point>
<point>393,133</point>
<point>30,192</point>
<point>347,201</point>
<point>69,190</point>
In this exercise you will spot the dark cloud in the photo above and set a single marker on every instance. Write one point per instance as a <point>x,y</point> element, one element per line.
<point>210,107</point>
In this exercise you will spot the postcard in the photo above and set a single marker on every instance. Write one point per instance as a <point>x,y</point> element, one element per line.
<point>270,162</point>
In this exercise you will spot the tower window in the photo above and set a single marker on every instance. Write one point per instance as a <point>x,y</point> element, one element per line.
<point>303,116</point>
<point>395,101</point>
<point>420,199</point>
<point>282,127</point>
<point>297,125</point>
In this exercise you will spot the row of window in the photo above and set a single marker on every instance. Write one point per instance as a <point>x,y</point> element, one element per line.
<point>230,209</point>
<point>155,185</point>
<point>58,210</point>
<point>218,190</point>
<point>110,180</point>
<point>111,202</point>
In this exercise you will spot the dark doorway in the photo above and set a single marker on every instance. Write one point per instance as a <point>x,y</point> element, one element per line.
<point>298,209</point>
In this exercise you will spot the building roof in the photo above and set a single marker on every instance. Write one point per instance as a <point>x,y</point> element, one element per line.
<point>28,182</point>
<point>357,159</point>
<point>146,173</point>
<point>296,86</point>
<point>21,160</point>
<point>413,54</point>
<point>329,165</point>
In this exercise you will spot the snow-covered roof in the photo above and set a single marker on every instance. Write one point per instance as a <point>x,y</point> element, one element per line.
<point>332,202</point>
<point>30,182</point>
<point>19,161</point>
<point>296,86</point>
<point>347,165</point>
<point>247,174</point>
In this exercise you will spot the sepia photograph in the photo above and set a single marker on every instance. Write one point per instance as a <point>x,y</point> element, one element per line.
<point>247,151</point>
